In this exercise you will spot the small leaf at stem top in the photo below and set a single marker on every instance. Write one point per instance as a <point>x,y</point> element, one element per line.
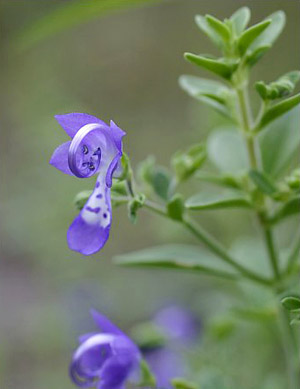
<point>291,303</point>
<point>240,19</point>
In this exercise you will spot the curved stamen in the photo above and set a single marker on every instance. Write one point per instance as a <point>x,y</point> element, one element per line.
<point>85,168</point>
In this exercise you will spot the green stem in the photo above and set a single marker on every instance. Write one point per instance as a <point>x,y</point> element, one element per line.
<point>290,348</point>
<point>293,256</point>
<point>218,249</point>
<point>271,251</point>
<point>245,117</point>
<point>210,242</point>
<point>288,340</point>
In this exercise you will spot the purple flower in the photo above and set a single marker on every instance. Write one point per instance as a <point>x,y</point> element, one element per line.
<point>95,148</point>
<point>166,364</point>
<point>180,328</point>
<point>104,360</point>
<point>178,323</point>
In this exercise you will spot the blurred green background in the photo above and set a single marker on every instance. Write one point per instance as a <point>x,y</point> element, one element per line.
<point>122,66</point>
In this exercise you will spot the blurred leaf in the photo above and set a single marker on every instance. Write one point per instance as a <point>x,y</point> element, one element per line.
<point>290,208</point>
<point>291,303</point>
<point>221,328</point>
<point>282,87</point>
<point>203,201</point>
<point>175,207</point>
<point>219,66</point>
<point>161,182</point>
<point>219,27</point>
<point>81,198</point>
<point>268,37</point>
<point>295,321</point>
<point>225,180</point>
<point>147,378</point>
<point>208,30</point>
<point>251,253</point>
<point>183,257</point>
<point>253,56</point>
<point>293,180</point>
<point>147,336</point>
<point>255,314</point>
<point>278,110</point>
<point>181,383</point>
<point>210,92</point>
<point>262,182</point>
<point>69,15</point>
<point>186,163</point>
<point>226,149</point>
<point>156,176</point>
<point>240,20</point>
<point>134,205</point>
<point>282,137</point>
<point>251,34</point>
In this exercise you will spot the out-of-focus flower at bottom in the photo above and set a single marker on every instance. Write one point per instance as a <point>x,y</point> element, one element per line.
<point>164,340</point>
<point>104,360</point>
<point>165,363</point>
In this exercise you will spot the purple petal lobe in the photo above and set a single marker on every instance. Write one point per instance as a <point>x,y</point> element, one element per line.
<point>115,372</point>
<point>117,134</point>
<point>72,122</point>
<point>59,158</point>
<point>90,230</point>
<point>111,170</point>
<point>105,324</point>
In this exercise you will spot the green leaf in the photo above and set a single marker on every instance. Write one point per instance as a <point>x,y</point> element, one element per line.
<point>253,56</point>
<point>210,92</point>
<point>291,303</point>
<point>161,182</point>
<point>263,183</point>
<point>147,378</point>
<point>283,138</point>
<point>251,34</point>
<point>240,20</point>
<point>278,110</point>
<point>256,314</point>
<point>183,257</point>
<point>226,149</point>
<point>208,30</point>
<point>147,335</point>
<point>181,383</point>
<point>70,14</point>
<point>295,321</point>
<point>221,328</point>
<point>282,87</point>
<point>175,207</point>
<point>156,176</point>
<point>134,205</point>
<point>268,37</point>
<point>220,67</point>
<point>206,201</point>
<point>293,180</point>
<point>186,163</point>
<point>219,27</point>
<point>225,180</point>
<point>290,208</point>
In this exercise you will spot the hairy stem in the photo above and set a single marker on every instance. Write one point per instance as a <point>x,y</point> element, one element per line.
<point>290,348</point>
